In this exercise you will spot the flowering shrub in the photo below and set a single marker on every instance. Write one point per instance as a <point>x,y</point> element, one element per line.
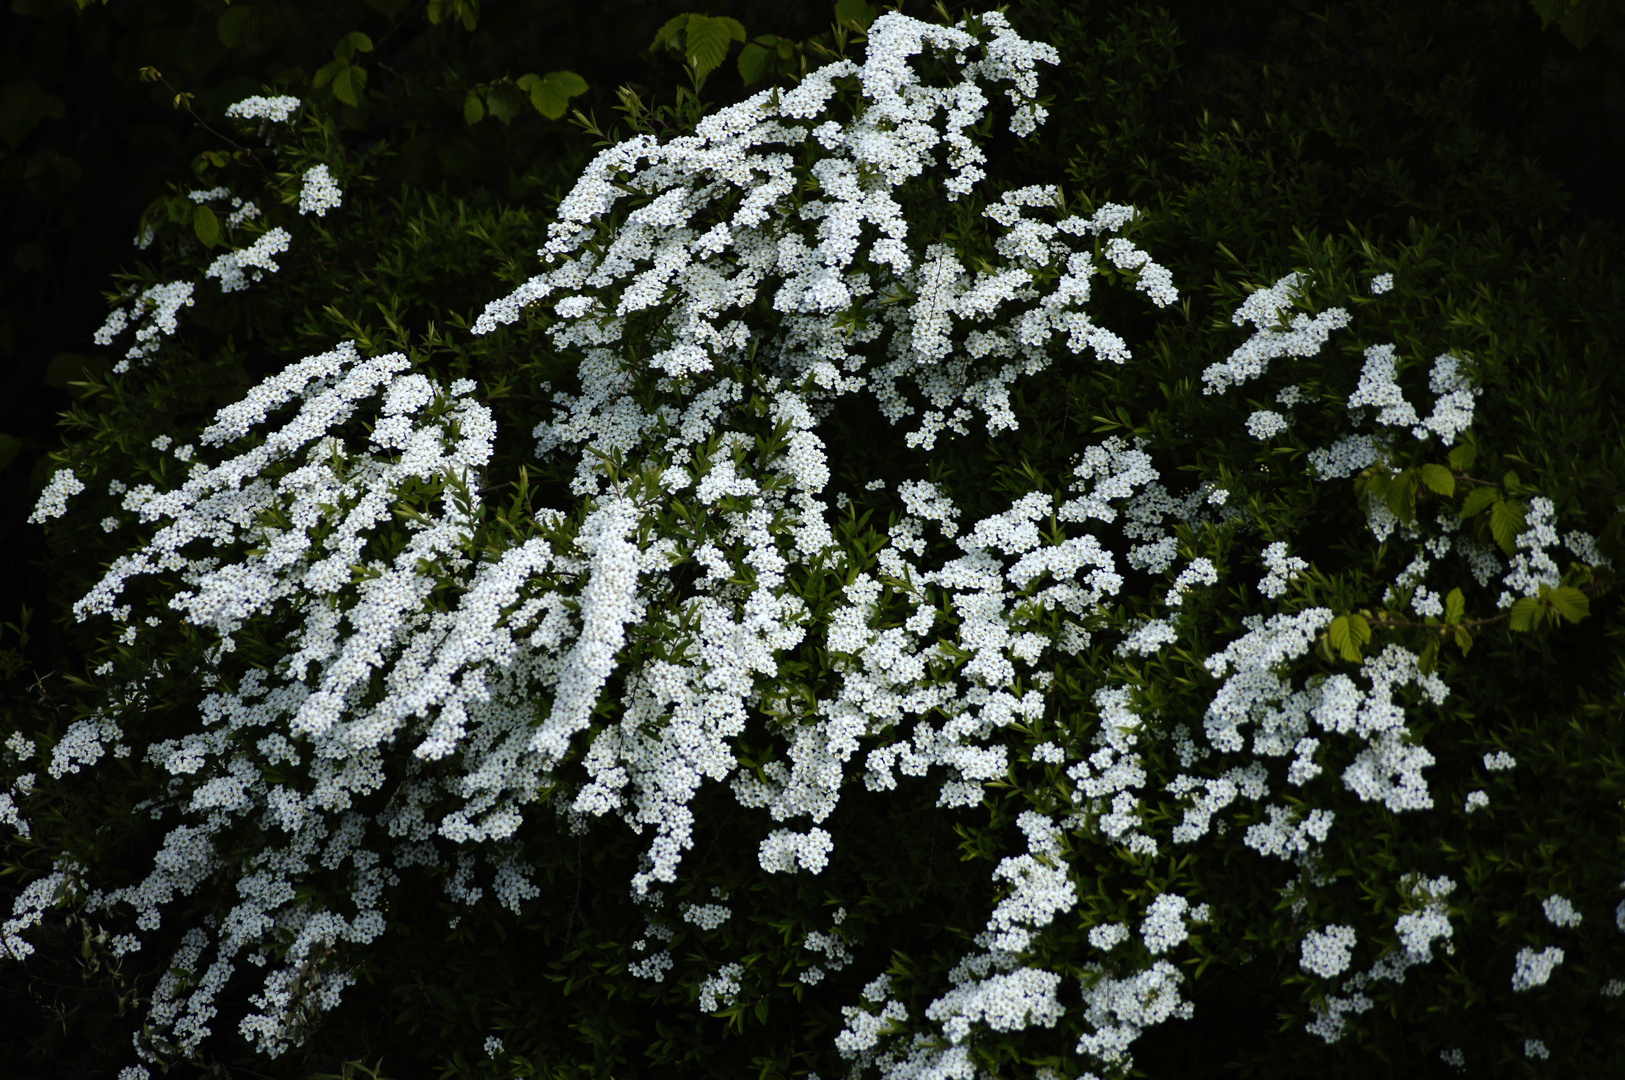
<point>816,559</point>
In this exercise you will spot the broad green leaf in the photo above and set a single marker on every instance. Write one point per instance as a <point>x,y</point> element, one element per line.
<point>350,84</point>
<point>1454,606</point>
<point>551,93</point>
<point>1401,495</point>
<point>755,62</point>
<point>359,41</point>
<point>1506,522</point>
<point>473,110</point>
<point>1464,640</point>
<point>1568,602</point>
<point>1439,480</point>
<point>856,13</point>
<point>1477,501</point>
<point>1461,458</point>
<point>206,225</point>
<point>246,27</point>
<point>1525,614</point>
<point>706,42</point>
<point>1347,634</point>
<point>504,101</point>
<point>1429,658</point>
<point>327,71</point>
<point>670,35</point>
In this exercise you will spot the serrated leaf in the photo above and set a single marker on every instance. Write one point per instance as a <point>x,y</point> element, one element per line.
<point>1525,614</point>
<point>1455,605</point>
<point>706,41</point>
<point>1461,458</point>
<point>350,84</point>
<point>206,225</point>
<point>1464,640</point>
<point>1506,522</point>
<point>1439,480</point>
<point>1477,501</point>
<point>854,13</point>
<point>1569,602</point>
<point>755,63</point>
<point>359,41</point>
<point>473,110</point>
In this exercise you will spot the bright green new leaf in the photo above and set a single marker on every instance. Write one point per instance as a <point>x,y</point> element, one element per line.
<point>1477,500</point>
<point>1348,633</point>
<point>473,110</point>
<point>551,93</point>
<point>359,42</point>
<point>1506,522</point>
<point>206,225</point>
<point>1568,602</point>
<point>1526,614</point>
<point>1461,458</point>
<point>1464,640</point>
<point>1454,606</point>
<point>1439,480</point>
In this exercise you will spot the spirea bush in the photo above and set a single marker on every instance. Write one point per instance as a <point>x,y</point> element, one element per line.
<point>835,611</point>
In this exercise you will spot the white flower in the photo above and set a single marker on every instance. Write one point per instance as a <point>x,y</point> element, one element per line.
<point>275,109</point>
<point>1560,911</point>
<point>1532,969</point>
<point>53,501</point>
<point>1382,283</point>
<point>1326,953</point>
<point>319,194</point>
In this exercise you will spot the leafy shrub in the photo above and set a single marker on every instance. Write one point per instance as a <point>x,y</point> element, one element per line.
<point>835,459</point>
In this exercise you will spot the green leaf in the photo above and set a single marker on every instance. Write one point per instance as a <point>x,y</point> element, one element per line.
<point>756,62</point>
<point>246,27</point>
<point>1464,640</point>
<point>669,36</point>
<point>1477,501</point>
<point>761,1010</point>
<point>1506,522</point>
<point>1401,495</point>
<point>856,13</point>
<point>1461,458</point>
<point>707,40</point>
<point>359,41</point>
<point>206,225</point>
<point>350,84</point>
<point>1526,614</point>
<point>1348,633</point>
<point>473,110</point>
<point>551,93</point>
<point>325,73</point>
<point>504,101</point>
<point>1439,480</point>
<point>1455,605</point>
<point>1568,602</point>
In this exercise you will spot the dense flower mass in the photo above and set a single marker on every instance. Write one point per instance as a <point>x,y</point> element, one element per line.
<point>445,684</point>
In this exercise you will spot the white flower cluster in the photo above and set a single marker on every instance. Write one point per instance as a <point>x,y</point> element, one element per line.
<point>719,293</point>
<point>1532,969</point>
<point>1560,911</point>
<point>1327,952</point>
<point>229,268</point>
<point>53,501</point>
<point>319,193</point>
<point>277,110</point>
